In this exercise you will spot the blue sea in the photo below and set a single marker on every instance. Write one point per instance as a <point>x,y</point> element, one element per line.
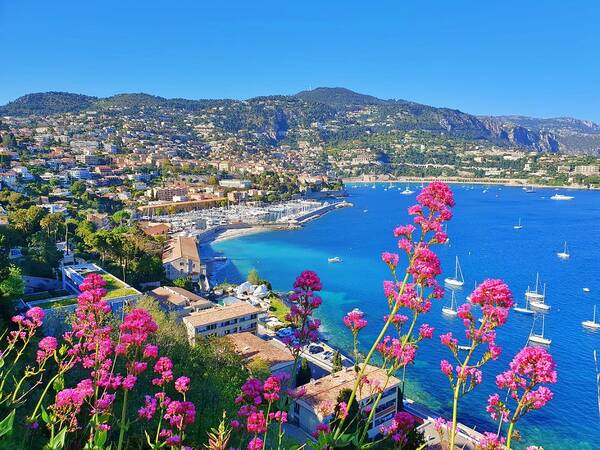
<point>483,237</point>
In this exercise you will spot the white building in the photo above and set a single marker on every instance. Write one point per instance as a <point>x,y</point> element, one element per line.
<point>181,259</point>
<point>221,321</point>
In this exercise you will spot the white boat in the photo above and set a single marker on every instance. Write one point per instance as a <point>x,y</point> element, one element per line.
<point>525,310</point>
<point>407,191</point>
<point>539,338</point>
<point>365,210</point>
<point>565,253</point>
<point>518,226</point>
<point>529,189</point>
<point>373,187</point>
<point>335,259</point>
<point>586,289</point>
<point>537,299</point>
<point>451,311</point>
<point>561,197</point>
<point>458,280</point>
<point>464,348</point>
<point>592,324</point>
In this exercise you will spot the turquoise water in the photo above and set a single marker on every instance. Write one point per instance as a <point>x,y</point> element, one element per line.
<point>482,235</point>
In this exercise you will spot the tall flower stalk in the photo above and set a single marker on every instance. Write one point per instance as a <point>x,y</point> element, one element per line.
<point>495,299</point>
<point>529,370</point>
<point>414,293</point>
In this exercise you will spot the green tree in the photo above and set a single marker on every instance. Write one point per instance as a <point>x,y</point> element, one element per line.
<point>304,373</point>
<point>42,255</point>
<point>336,362</point>
<point>53,223</point>
<point>78,188</point>
<point>121,216</point>
<point>213,180</point>
<point>253,277</point>
<point>259,368</point>
<point>184,283</point>
<point>13,285</point>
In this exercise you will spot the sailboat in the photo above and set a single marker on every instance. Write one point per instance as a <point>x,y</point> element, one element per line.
<point>565,253</point>
<point>539,338</point>
<point>407,191</point>
<point>529,189</point>
<point>518,226</point>
<point>458,279</point>
<point>536,298</point>
<point>592,324</point>
<point>451,311</point>
<point>525,310</point>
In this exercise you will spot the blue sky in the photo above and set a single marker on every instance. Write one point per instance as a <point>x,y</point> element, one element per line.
<point>538,58</point>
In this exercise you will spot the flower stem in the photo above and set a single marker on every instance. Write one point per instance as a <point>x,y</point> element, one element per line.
<point>122,425</point>
<point>369,355</point>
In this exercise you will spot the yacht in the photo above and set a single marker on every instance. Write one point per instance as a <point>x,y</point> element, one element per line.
<point>451,311</point>
<point>518,226</point>
<point>591,324</point>
<point>407,191</point>
<point>561,197</point>
<point>586,289</point>
<point>524,310</point>
<point>565,253</point>
<point>539,338</point>
<point>335,259</point>
<point>529,189</point>
<point>537,299</point>
<point>458,280</point>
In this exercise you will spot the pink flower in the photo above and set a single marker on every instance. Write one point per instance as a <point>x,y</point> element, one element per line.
<point>46,348</point>
<point>404,230</point>
<point>446,368</point>
<point>150,351</point>
<point>180,414</point>
<point>129,382</point>
<point>182,384</point>
<point>163,364</point>
<point>149,408</point>
<point>272,387</point>
<point>426,331</point>
<point>391,259</point>
<point>448,340</point>
<point>256,423</point>
<point>492,293</point>
<point>490,441</point>
<point>255,444</point>
<point>355,321</point>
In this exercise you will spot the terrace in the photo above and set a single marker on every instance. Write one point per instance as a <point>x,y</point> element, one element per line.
<point>117,290</point>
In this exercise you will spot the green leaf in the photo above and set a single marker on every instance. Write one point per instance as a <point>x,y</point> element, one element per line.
<point>6,426</point>
<point>58,441</point>
<point>45,416</point>
<point>100,439</point>
<point>59,383</point>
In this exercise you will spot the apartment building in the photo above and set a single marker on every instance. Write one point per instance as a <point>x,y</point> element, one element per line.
<point>221,321</point>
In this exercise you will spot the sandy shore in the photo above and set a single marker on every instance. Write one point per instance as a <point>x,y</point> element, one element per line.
<point>240,232</point>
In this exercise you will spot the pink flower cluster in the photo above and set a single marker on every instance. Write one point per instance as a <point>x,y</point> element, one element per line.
<point>304,303</point>
<point>355,321</point>
<point>530,368</point>
<point>254,394</point>
<point>402,424</point>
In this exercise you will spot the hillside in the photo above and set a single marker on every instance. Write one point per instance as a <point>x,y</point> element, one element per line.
<point>45,103</point>
<point>342,114</point>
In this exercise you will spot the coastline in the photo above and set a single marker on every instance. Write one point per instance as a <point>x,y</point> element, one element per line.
<point>234,233</point>
<point>509,182</point>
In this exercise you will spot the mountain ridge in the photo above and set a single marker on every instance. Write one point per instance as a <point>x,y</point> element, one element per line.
<point>564,134</point>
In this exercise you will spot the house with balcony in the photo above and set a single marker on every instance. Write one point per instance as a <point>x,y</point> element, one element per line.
<point>321,395</point>
<point>223,320</point>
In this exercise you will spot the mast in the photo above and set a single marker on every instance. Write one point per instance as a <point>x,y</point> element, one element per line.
<point>543,322</point>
